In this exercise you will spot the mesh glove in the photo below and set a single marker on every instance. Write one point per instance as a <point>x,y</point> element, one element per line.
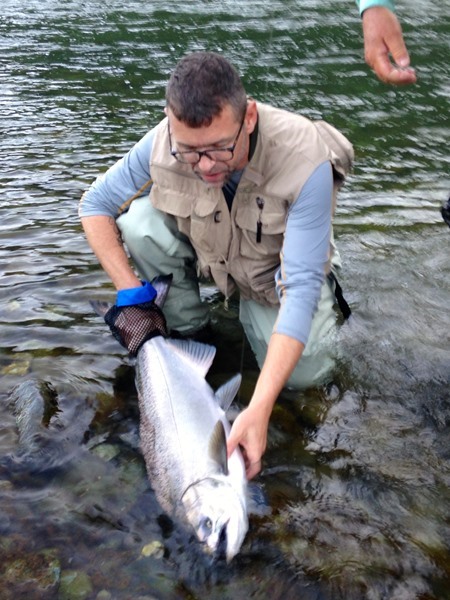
<point>135,318</point>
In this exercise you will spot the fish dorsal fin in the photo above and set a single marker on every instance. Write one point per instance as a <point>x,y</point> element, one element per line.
<point>198,355</point>
<point>227,392</point>
<point>218,447</point>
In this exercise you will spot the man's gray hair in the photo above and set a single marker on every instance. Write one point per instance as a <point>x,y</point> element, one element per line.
<point>201,85</point>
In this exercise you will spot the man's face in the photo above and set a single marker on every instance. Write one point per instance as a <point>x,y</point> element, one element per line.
<point>225,131</point>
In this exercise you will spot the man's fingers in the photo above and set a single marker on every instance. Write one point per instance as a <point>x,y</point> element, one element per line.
<point>253,469</point>
<point>382,66</point>
<point>231,445</point>
<point>402,76</point>
<point>400,72</point>
<point>397,49</point>
<point>390,73</point>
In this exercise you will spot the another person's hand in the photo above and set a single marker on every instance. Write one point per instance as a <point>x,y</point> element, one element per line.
<point>249,431</point>
<point>135,318</point>
<point>383,39</point>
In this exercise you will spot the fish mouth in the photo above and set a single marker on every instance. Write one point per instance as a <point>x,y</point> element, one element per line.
<point>212,522</point>
<point>220,552</point>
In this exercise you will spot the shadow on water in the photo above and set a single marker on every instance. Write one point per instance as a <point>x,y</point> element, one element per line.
<point>357,473</point>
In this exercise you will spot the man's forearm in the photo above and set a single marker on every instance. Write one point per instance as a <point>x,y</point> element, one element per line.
<point>283,354</point>
<point>250,427</point>
<point>104,238</point>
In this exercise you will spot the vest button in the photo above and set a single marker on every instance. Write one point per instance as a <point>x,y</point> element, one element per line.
<point>217,216</point>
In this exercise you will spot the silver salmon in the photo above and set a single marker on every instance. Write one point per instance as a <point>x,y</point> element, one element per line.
<point>183,432</point>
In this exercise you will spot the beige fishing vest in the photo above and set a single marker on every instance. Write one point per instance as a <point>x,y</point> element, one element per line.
<point>242,247</point>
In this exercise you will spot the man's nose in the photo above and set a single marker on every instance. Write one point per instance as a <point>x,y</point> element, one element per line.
<point>205,163</point>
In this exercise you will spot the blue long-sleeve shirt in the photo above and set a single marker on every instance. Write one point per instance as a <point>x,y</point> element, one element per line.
<point>364,4</point>
<point>306,241</point>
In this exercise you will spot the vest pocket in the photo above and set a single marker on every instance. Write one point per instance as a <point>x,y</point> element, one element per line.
<point>202,232</point>
<point>261,285</point>
<point>261,224</point>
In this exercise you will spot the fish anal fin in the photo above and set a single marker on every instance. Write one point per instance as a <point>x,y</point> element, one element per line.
<point>218,447</point>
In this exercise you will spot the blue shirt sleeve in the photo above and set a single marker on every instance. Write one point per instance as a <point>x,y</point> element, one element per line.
<point>128,178</point>
<point>304,255</point>
<point>364,4</point>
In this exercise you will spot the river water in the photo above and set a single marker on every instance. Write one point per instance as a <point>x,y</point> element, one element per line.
<point>356,476</point>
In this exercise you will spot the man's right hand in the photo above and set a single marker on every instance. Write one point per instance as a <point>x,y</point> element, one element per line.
<point>135,318</point>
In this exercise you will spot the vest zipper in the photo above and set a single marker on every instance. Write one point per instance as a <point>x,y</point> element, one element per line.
<point>260,203</point>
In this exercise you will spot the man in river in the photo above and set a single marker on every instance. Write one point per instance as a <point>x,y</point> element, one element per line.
<point>241,192</point>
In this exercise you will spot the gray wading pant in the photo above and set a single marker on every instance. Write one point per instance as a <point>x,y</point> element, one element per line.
<point>157,247</point>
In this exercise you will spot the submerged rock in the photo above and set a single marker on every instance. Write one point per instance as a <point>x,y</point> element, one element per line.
<point>36,574</point>
<point>155,549</point>
<point>75,585</point>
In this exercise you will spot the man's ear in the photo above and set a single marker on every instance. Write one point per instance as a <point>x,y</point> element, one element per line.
<point>251,116</point>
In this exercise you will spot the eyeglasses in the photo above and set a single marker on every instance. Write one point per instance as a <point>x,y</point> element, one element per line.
<point>192,157</point>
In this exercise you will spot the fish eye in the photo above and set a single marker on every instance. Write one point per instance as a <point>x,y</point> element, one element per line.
<point>205,528</point>
<point>206,524</point>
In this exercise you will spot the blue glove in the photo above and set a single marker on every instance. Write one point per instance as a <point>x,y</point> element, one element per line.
<point>137,295</point>
<point>136,318</point>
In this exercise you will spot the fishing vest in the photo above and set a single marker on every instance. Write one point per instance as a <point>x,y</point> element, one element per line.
<point>241,247</point>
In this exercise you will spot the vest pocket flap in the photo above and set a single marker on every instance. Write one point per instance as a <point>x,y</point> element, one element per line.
<point>173,204</point>
<point>204,206</point>
<point>267,216</point>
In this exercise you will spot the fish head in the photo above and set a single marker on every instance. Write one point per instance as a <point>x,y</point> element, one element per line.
<point>217,511</point>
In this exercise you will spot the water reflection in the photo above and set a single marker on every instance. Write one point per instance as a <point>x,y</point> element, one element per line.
<point>357,475</point>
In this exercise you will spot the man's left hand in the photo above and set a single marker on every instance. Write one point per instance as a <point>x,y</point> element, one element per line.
<point>249,431</point>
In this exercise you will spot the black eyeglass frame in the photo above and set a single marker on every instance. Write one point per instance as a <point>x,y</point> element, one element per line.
<point>178,154</point>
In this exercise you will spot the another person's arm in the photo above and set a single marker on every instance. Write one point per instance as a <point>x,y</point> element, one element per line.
<point>305,253</point>
<point>383,41</point>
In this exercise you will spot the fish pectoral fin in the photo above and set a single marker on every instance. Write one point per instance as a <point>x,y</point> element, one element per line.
<point>227,392</point>
<point>200,356</point>
<point>218,447</point>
